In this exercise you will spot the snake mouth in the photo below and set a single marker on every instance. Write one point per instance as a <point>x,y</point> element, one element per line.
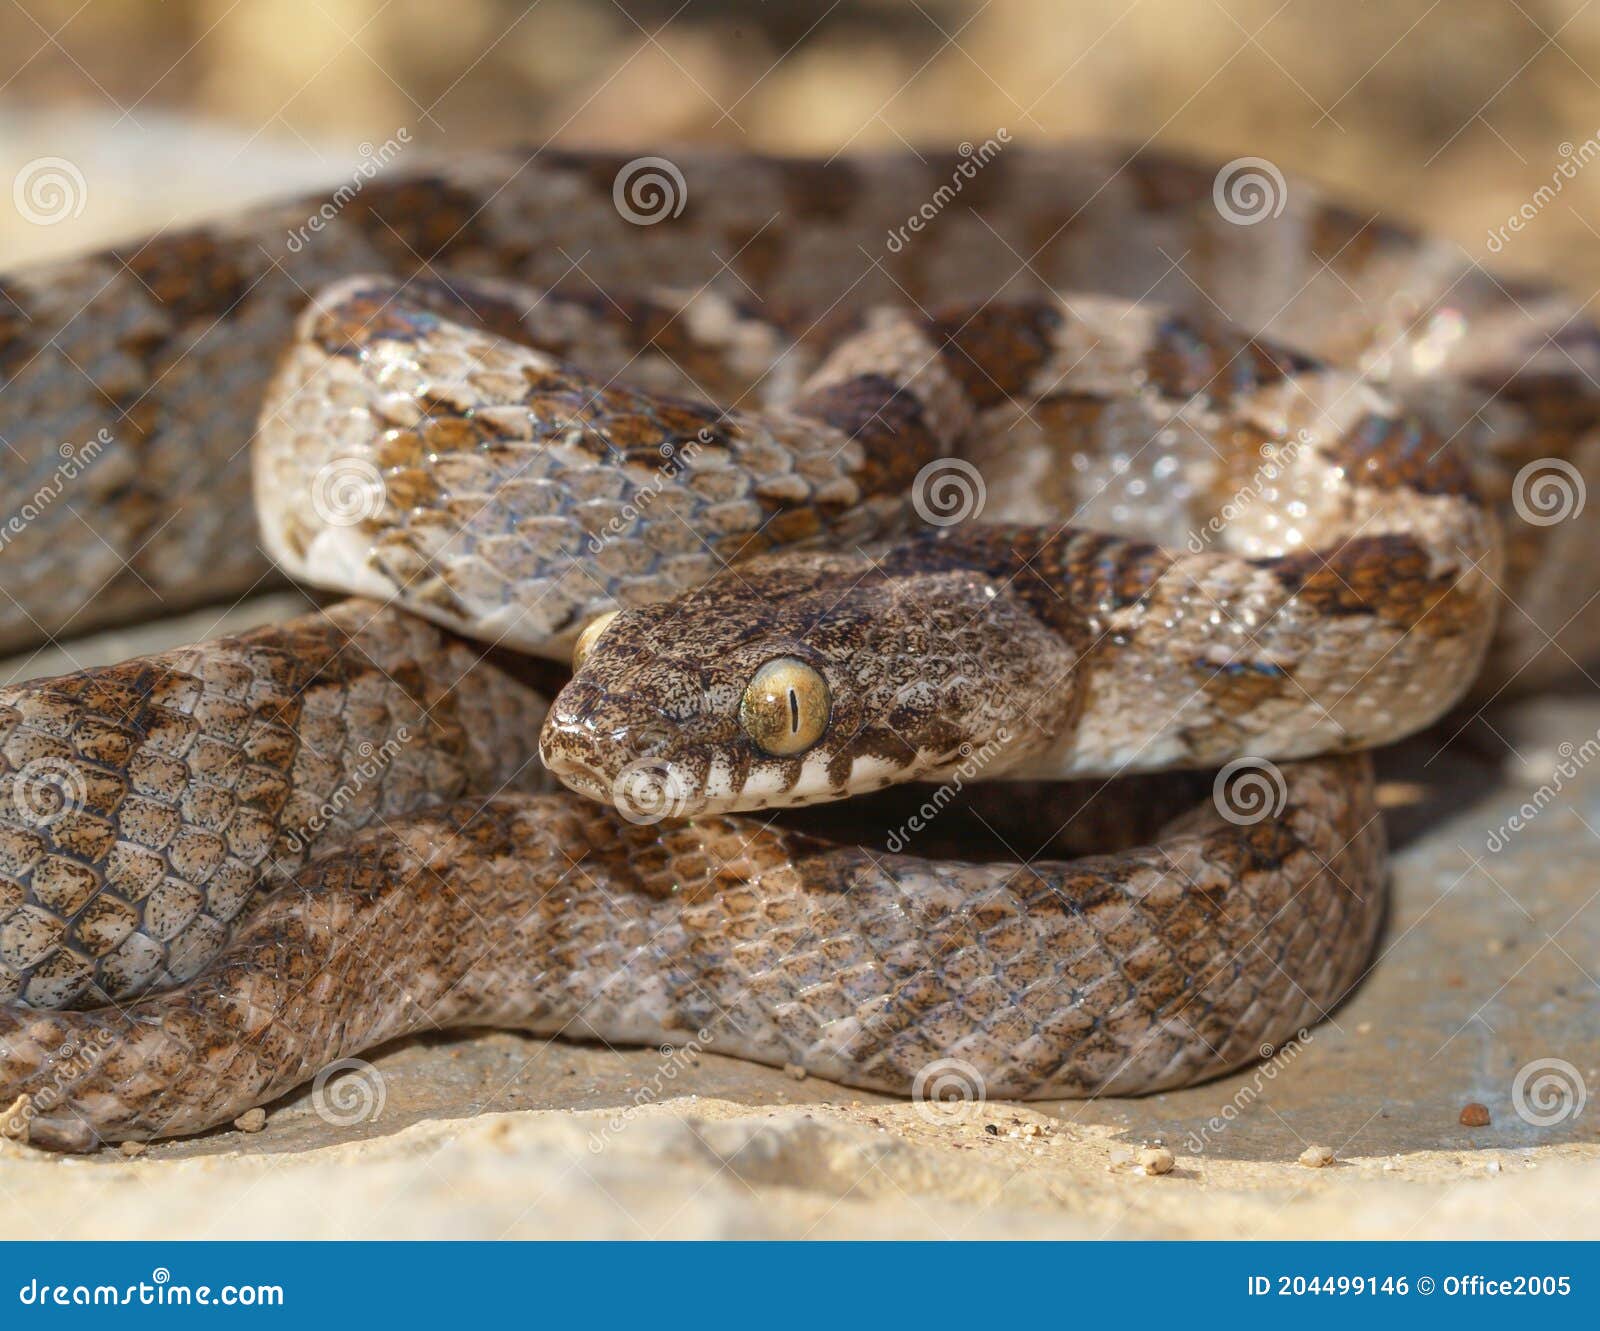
<point>583,779</point>
<point>625,766</point>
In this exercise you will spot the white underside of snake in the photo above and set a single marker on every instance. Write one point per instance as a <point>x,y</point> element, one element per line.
<point>1234,491</point>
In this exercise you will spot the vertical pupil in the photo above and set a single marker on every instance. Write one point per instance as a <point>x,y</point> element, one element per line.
<point>794,712</point>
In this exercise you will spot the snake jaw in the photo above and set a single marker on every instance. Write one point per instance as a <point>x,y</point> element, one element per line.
<point>582,779</point>
<point>649,789</point>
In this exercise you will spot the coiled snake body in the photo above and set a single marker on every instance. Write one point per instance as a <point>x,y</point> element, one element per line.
<point>1256,498</point>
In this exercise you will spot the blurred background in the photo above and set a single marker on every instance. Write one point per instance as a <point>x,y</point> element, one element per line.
<point>1448,112</point>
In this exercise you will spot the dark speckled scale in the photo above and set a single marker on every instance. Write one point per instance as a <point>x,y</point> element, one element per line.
<point>1133,972</point>
<point>144,806</point>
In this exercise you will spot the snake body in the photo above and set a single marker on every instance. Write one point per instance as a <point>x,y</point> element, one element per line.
<point>589,415</point>
<point>1064,651</point>
<point>1129,972</point>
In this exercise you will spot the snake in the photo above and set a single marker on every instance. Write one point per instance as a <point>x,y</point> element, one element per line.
<point>1076,471</point>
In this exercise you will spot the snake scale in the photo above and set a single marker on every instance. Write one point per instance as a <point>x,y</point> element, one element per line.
<point>1252,491</point>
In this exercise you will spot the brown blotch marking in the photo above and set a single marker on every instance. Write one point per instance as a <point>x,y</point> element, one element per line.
<point>643,427</point>
<point>819,191</point>
<point>1165,184</point>
<point>1073,422</point>
<point>995,351</point>
<point>1348,241</point>
<point>600,171</point>
<point>598,168</point>
<point>759,253</point>
<point>418,221</point>
<point>471,305</point>
<point>789,528</point>
<point>1384,576</point>
<point>635,433</point>
<point>1189,357</point>
<point>871,742</point>
<point>1095,572</point>
<point>1053,241</point>
<point>193,275</point>
<point>444,431</point>
<point>406,489</point>
<point>985,189</point>
<point>403,313</point>
<point>643,324</point>
<point>1403,453</point>
<point>368,316</point>
<point>887,420</point>
<point>15,348</point>
<point>1560,410</point>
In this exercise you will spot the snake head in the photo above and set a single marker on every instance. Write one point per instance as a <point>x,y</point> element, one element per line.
<point>797,679</point>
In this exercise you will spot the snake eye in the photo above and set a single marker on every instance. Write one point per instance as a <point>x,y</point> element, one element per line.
<point>590,635</point>
<point>785,707</point>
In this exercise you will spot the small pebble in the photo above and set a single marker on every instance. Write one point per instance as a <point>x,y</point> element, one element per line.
<point>252,1120</point>
<point>795,1071</point>
<point>1154,1160</point>
<point>1474,1115</point>
<point>1364,1028</point>
<point>15,1119</point>
<point>1316,1157</point>
<point>992,1129</point>
<point>131,1149</point>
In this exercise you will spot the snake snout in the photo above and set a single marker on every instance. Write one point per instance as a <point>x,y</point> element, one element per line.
<point>591,759</point>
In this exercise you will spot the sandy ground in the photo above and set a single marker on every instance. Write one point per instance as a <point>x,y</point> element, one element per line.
<point>1486,966</point>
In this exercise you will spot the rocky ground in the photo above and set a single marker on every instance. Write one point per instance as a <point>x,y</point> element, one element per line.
<point>1487,966</point>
